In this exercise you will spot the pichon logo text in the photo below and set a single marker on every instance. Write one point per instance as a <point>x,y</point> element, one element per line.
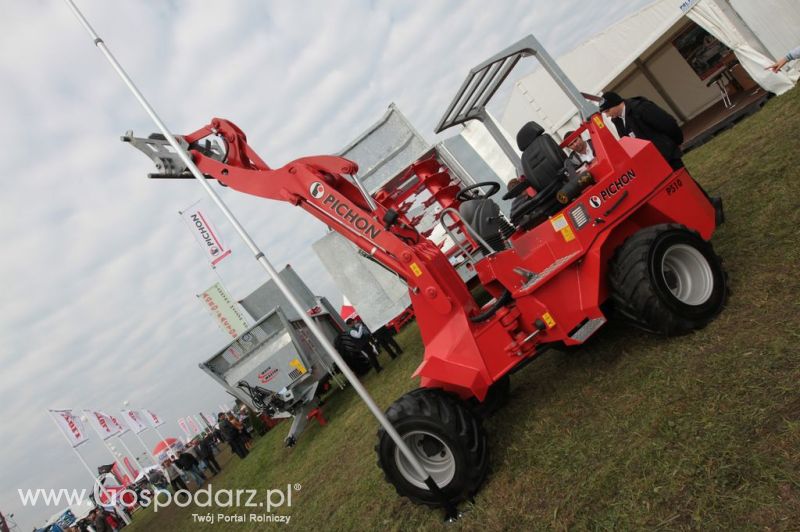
<point>344,211</point>
<point>205,234</point>
<point>615,186</point>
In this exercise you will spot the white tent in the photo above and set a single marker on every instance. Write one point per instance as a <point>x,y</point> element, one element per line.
<point>637,57</point>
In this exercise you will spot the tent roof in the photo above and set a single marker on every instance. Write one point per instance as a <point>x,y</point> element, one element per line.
<point>163,444</point>
<point>592,65</point>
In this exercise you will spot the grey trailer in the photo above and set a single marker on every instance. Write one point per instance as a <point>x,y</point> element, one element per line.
<point>277,367</point>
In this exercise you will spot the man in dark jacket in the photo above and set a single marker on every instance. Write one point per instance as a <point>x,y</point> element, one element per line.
<point>189,464</point>
<point>639,117</point>
<point>231,435</point>
<point>206,453</point>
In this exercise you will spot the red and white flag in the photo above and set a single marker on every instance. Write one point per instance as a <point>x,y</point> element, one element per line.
<point>102,423</point>
<point>184,428</point>
<point>122,429</point>
<point>203,230</point>
<point>152,419</point>
<point>135,420</point>
<point>71,426</point>
<point>192,424</point>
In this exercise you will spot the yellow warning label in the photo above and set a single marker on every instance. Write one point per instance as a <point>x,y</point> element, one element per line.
<point>559,222</point>
<point>561,225</point>
<point>598,121</point>
<point>415,269</point>
<point>298,365</point>
<point>548,319</point>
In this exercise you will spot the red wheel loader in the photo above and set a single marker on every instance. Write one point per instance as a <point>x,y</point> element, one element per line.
<point>627,233</point>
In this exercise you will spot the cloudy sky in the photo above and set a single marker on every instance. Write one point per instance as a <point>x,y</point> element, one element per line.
<point>100,273</point>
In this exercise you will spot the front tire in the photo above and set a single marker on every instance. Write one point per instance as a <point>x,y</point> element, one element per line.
<point>668,280</point>
<point>447,439</point>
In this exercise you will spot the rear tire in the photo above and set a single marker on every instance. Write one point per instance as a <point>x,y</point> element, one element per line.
<point>668,280</point>
<point>357,363</point>
<point>445,436</point>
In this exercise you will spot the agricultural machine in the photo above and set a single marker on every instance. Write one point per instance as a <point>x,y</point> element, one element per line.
<point>627,233</point>
<point>276,367</point>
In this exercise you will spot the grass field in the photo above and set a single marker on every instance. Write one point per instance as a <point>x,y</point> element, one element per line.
<point>631,432</point>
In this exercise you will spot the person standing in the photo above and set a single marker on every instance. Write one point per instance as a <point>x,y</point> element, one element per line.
<point>640,118</point>
<point>206,453</point>
<point>231,435</point>
<point>188,463</point>
<point>384,338</point>
<point>174,476</point>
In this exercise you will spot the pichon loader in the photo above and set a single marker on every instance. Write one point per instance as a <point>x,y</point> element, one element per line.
<point>627,233</point>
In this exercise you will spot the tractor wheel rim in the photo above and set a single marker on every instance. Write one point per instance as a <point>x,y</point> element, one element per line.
<point>432,453</point>
<point>687,274</point>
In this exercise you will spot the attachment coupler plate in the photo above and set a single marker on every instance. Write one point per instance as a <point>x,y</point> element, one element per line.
<point>167,161</point>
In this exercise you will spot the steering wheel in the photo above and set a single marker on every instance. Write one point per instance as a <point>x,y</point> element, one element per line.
<point>464,196</point>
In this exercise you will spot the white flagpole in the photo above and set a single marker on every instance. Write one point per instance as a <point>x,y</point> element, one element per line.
<point>450,508</point>
<point>155,460</point>
<point>130,467</point>
<point>109,498</point>
<point>199,424</point>
<point>105,444</point>
<point>135,461</point>
<point>123,513</point>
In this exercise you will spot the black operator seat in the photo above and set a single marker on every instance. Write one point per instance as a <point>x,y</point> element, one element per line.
<point>543,166</point>
<point>485,218</point>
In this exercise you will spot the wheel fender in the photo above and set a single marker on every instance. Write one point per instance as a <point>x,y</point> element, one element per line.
<point>462,380</point>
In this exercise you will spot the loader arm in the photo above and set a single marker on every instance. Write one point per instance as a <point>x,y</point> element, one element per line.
<point>318,185</point>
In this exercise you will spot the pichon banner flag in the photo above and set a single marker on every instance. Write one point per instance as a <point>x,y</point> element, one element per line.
<point>102,423</point>
<point>199,223</point>
<point>152,419</point>
<point>117,423</point>
<point>71,426</point>
<point>135,420</point>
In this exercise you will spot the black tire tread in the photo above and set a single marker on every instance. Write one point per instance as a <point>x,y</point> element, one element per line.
<point>459,422</point>
<point>632,291</point>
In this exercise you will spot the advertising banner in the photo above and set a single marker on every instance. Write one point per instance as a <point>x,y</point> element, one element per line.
<point>71,426</point>
<point>135,420</point>
<point>224,310</point>
<point>102,424</point>
<point>198,221</point>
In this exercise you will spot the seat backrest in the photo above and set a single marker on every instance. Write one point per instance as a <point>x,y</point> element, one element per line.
<point>542,159</point>
<point>483,216</point>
